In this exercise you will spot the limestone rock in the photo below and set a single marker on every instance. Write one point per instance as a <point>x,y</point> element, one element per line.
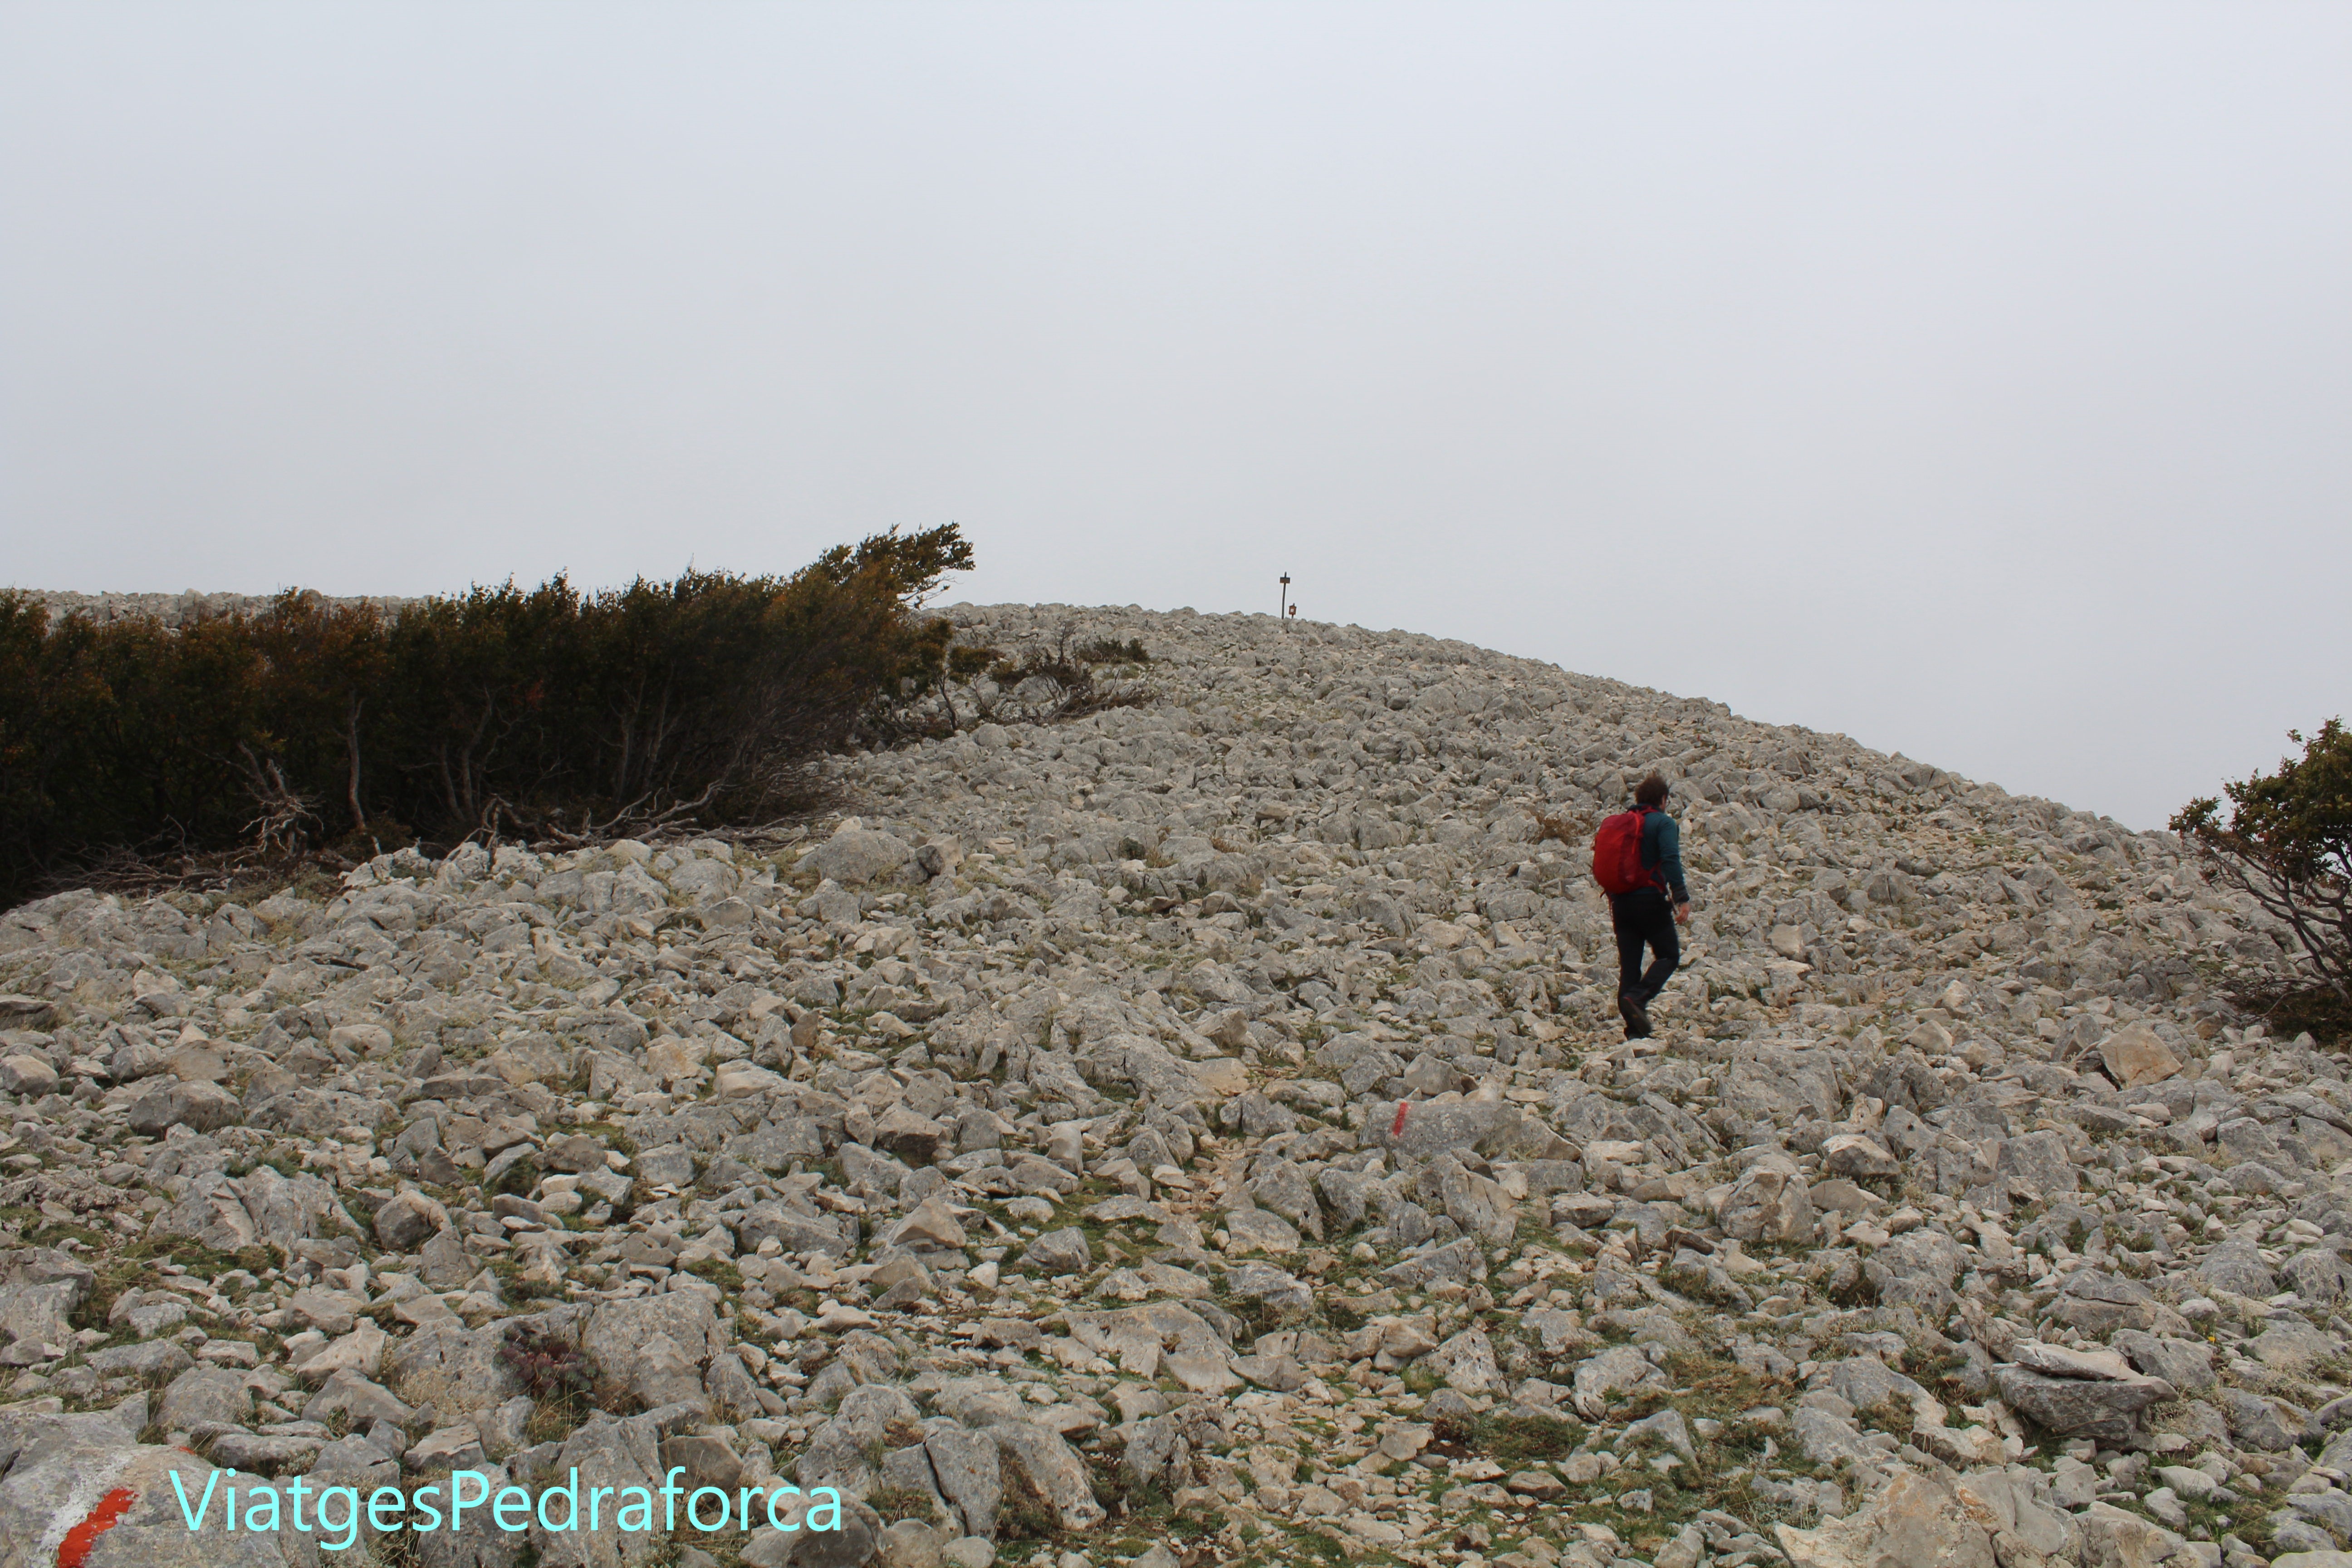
<point>1619,1369</point>
<point>968,1474</point>
<point>1914,1522</point>
<point>205,1394</point>
<point>27,1075</point>
<point>1767,1205</point>
<point>201,1107</point>
<point>856,855</point>
<point>1853,1154</point>
<point>1038,1462</point>
<point>659,1345</point>
<point>1058,1252</point>
<point>408,1220</point>
<point>2135,1055</point>
<point>56,1486</point>
<point>1466,1362</point>
<point>2111,1410</point>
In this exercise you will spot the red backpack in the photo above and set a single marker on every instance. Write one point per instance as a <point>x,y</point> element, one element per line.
<point>1617,853</point>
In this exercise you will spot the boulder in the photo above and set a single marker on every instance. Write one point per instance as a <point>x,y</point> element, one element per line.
<point>1853,1154</point>
<point>607,1452</point>
<point>2112,1538</point>
<point>2111,1410</point>
<point>361,1351</point>
<point>2237,1267</point>
<point>1830,1440</point>
<point>21,1011</point>
<point>1769,1202</point>
<point>40,1290</point>
<point>1057,1252</point>
<point>930,1224</point>
<point>2038,1160</point>
<point>1287,1297</point>
<point>2135,1055</point>
<point>408,1220</point>
<point>1617,1370</point>
<point>2017,1506</point>
<point>451,1370</point>
<point>2259,1423</point>
<point>204,1395</point>
<point>1915,1522</point>
<point>290,1209</point>
<point>845,1453</point>
<point>27,1075</point>
<point>1466,1362</point>
<point>209,1210</point>
<point>657,1346</point>
<point>1256,1230</point>
<point>1434,1129</point>
<point>968,1474</point>
<point>348,1392</point>
<point>2187,1364</point>
<point>855,855</point>
<point>173,1102</point>
<point>117,1494</point>
<point>1036,1461</point>
<point>1477,1205</point>
<point>153,1361</point>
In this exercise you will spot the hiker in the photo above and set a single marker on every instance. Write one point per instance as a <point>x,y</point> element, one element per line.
<point>1637,856</point>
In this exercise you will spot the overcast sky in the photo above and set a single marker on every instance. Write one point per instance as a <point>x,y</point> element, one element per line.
<point>1973,379</point>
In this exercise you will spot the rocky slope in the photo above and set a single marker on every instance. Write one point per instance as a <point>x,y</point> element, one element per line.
<point>1199,1131</point>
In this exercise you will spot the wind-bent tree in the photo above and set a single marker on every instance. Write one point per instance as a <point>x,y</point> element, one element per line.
<point>2287,841</point>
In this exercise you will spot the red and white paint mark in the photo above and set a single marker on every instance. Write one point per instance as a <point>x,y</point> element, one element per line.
<point>75,1547</point>
<point>1398,1131</point>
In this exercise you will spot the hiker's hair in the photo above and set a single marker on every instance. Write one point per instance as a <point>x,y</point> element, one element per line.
<point>1651,791</point>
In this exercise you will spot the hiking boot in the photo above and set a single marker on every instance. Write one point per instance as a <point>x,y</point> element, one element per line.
<point>1636,1016</point>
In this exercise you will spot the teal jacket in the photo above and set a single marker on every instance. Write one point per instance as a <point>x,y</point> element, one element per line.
<point>1661,847</point>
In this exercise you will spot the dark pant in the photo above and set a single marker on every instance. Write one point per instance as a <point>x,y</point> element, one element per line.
<point>1643,918</point>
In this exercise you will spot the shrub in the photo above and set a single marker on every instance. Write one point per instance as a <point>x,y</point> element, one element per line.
<point>559,1377</point>
<point>544,712</point>
<point>1111,650</point>
<point>547,1366</point>
<point>1067,668</point>
<point>2288,843</point>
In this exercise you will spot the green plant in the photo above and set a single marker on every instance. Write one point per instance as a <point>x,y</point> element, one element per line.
<point>967,660</point>
<point>547,1366</point>
<point>1509,1439</point>
<point>718,1271</point>
<point>1111,650</point>
<point>518,1179</point>
<point>1024,1516</point>
<point>2287,843</point>
<point>1069,665</point>
<point>895,1504</point>
<point>119,1267</point>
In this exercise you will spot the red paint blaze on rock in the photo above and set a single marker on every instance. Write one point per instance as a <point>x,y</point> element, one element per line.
<point>83,1536</point>
<point>1398,1131</point>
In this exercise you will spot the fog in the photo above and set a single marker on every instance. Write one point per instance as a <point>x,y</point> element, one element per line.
<point>1975,380</point>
